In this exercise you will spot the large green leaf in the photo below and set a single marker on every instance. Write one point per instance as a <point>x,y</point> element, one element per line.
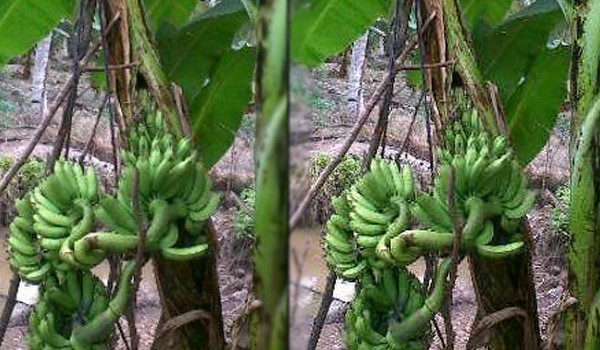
<point>506,53</point>
<point>25,22</point>
<point>530,77</point>
<point>532,109</point>
<point>175,13</point>
<point>489,13</point>
<point>218,108</point>
<point>215,72</point>
<point>322,28</point>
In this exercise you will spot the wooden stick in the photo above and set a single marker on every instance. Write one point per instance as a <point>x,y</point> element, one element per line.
<point>427,66</point>
<point>90,69</point>
<point>9,305</point>
<point>93,134</point>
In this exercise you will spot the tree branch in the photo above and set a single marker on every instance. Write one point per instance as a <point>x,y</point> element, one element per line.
<point>9,305</point>
<point>295,219</point>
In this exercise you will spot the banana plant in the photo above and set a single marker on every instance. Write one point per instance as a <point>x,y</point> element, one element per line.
<point>269,322</point>
<point>581,328</point>
<point>508,50</point>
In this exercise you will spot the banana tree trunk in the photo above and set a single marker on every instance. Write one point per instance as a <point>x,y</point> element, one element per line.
<point>188,288</point>
<point>503,283</point>
<point>269,324</point>
<point>580,322</point>
<point>500,284</point>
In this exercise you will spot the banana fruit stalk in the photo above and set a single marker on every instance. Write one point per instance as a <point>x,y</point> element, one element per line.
<point>97,328</point>
<point>401,332</point>
<point>410,244</point>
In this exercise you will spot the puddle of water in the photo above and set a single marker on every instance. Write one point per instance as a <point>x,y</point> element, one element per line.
<point>306,254</point>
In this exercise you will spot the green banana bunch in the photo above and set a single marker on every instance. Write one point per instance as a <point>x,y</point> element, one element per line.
<point>175,197</point>
<point>489,189</point>
<point>484,168</point>
<point>392,312</point>
<point>67,301</point>
<point>340,246</point>
<point>380,208</point>
<point>368,237</point>
<point>74,311</point>
<point>63,210</point>
<point>59,208</point>
<point>25,255</point>
<point>53,240</point>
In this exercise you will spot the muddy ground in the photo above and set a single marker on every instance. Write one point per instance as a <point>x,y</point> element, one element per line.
<point>318,104</point>
<point>18,119</point>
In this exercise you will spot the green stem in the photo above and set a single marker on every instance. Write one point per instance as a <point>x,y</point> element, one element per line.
<point>583,248</point>
<point>466,65</point>
<point>424,239</point>
<point>587,80</point>
<point>404,331</point>
<point>271,224</point>
<point>150,65</point>
<point>592,341</point>
<point>107,241</point>
<point>98,329</point>
<point>580,320</point>
<point>583,211</point>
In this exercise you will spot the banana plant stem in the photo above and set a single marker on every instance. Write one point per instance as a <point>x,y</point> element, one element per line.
<point>97,329</point>
<point>414,323</point>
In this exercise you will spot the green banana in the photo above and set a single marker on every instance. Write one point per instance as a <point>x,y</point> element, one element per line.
<point>355,271</point>
<point>183,254</point>
<point>54,232</point>
<point>500,251</point>
<point>523,208</point>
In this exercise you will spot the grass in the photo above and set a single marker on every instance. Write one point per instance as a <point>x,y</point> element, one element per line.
<point>560,212</point>
<point>344,175</point>
<point>247,128</point>
<point>312,96</point>
<point>6,109</point>
<point>26,179</point>
<point>244,223</point>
